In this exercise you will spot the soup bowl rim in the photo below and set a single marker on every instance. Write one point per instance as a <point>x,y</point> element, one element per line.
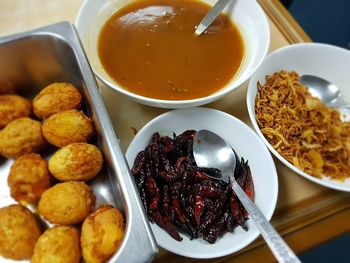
<point>241,76</point>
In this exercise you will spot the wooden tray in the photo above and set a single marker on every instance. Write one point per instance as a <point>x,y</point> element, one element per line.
<point>306,215</point>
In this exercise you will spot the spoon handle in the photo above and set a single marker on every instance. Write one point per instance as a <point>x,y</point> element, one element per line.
<point>210,16</point>
<point>279,248</point>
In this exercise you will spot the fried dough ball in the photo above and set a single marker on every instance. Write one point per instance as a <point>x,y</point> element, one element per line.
<point>29,177</point>
<point>76,162</point>
<point>67,203</point>
<point>19,232</point>
<point>59,244</point>
<point>67,127</point>
<point>55,98</point>
<point>101,234</point>
<point>21,136</point>
<point>13,107</point>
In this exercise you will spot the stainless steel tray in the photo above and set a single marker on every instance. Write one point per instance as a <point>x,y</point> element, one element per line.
<point>34,59</point>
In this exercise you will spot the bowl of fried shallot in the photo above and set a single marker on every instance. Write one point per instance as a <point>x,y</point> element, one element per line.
<point>309,137</point>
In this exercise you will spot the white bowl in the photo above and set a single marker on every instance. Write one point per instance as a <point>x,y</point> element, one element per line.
<point>246,14</point>
<point>246,143</point>
<point>326,61</point>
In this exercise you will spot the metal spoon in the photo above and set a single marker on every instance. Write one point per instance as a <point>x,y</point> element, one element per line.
<point>325,91</point>
<point>210,16</point>
<point>210,150</point>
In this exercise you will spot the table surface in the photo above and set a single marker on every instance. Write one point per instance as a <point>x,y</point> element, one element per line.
<point>306,214</point>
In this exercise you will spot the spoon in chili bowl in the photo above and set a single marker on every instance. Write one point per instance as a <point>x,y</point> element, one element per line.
<point>211,151</point>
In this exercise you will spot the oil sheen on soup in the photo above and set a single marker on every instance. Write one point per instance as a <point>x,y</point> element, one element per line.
<point>149,48</point>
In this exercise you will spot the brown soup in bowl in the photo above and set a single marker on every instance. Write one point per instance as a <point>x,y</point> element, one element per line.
<point>149,48</point>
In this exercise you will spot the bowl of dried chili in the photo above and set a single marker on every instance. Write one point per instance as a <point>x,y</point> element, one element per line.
<point>191,214</point>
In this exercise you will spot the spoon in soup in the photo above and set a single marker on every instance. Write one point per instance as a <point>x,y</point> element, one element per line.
<point>327,92</point>
<point>210,16</point>
<point>211,151</point>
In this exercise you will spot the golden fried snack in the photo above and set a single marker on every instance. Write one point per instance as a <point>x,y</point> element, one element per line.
<point>21,136</point>
<point>13,107</point>
<point>29,177</point>
<point>19,232</point>
<point>55,98</point>
<point>76,162</point>
<point>101,234</point>
<point>300,127</point>
<point>67,203</point>
<point>59,244</point>
<point>67,127</point>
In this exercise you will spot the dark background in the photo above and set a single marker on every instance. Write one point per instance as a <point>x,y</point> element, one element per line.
<point>325,21</point>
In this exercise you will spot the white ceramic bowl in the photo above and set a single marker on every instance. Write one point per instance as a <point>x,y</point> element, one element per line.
<point>246,14</point>
<point>246,143</point>
<point>329,62</point>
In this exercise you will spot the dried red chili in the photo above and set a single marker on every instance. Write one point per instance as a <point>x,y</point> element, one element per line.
<point>179,196</point>
<point>198,209</point>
